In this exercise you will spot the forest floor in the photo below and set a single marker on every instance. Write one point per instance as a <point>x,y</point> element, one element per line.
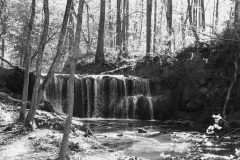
<point>44,143</point>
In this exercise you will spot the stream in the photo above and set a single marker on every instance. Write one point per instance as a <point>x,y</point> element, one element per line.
<point>162,140</point>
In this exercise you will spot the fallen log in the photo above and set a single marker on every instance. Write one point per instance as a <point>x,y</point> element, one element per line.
<point>9,98</point>
<point>118,70</point>
<point>5,96</point>
<point>46,106</point>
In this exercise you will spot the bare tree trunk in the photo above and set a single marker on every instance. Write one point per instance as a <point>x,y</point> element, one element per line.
<point>237,14</point>
<point>99,57</point>
<point>155,27</point>
<point>24,40</point>
<point>3,50</point>
<point>217,15</point>
<point>194,11</point>
<point>71,34</point>
<point>35,96</point>
<point>123,27</point>
<point>203,14</point>
<point>213,17</point>
<point>191,23</point>
<point>57,58</point>
<point>141,24</point>
<point>169,24</point>
<point>184,26</point>
<point>110,25</point>
<point>65,53</point>
<point>63,150</point>
<point>27,66</point>
<point>88,29</point>
<point>118,23</point>
<point>3,15</point>
<point>127,24</point>
<point>149,16</point>
<point>160,26</point>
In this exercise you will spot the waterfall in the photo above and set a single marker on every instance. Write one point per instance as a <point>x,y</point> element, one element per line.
<point>135,99</point>
<point>88,82</point>
<point>54,94</point>
<point>151,107</point>
<point>96,86</point>
<point>113,97</point>
<point>126,97</point>
<point>58,86</point>
<point>106,96</point>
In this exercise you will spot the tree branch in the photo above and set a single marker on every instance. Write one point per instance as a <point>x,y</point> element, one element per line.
<point>4,60</point>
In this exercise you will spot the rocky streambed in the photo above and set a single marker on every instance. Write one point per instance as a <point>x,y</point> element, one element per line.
<point>154,140</point>
<point>114,139</point>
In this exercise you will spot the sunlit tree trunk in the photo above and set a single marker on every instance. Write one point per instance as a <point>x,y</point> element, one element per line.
<point>3,50</point>
<point>149,27</point>
<point>169,24</point>
<point>118,25</point>
<point>217,15</point>
<point>160,26</point>
<point>70,33</point>
<point>123,26</point>
<point>203,14</point>
<point>184,26</point>
<point>213,17</point>
<point>155,27</point>
<point>41,46</point>
<point>99,57</point>
<point>89,41</point>
<point>3,15</point>
<point>110,25</point>
<point>76,50</point>
<point>192,27</point>
<point>23,43</point>
<point>56,60</point>
<point>237,14</point>
<point>194,13</point>
<point>27,66</point>
<point>141,24</point>
<point>127,24</point>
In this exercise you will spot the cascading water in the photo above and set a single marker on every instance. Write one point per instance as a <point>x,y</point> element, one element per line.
<point>105,96</point>
<point>151,107</point>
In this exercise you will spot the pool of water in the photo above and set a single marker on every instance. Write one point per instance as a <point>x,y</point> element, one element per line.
<point>161,140</point>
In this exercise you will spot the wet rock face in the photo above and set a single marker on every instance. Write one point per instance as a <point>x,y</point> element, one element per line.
<point>164,107</point>
<point>143,109</point>
<point>15,80</point>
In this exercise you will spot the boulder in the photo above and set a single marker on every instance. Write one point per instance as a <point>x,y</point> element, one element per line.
<point>142,130</point>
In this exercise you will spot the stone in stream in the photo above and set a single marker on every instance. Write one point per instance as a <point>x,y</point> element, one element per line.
<point>142,130</point>
<point>88,133</point>
<point>120,135</point>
